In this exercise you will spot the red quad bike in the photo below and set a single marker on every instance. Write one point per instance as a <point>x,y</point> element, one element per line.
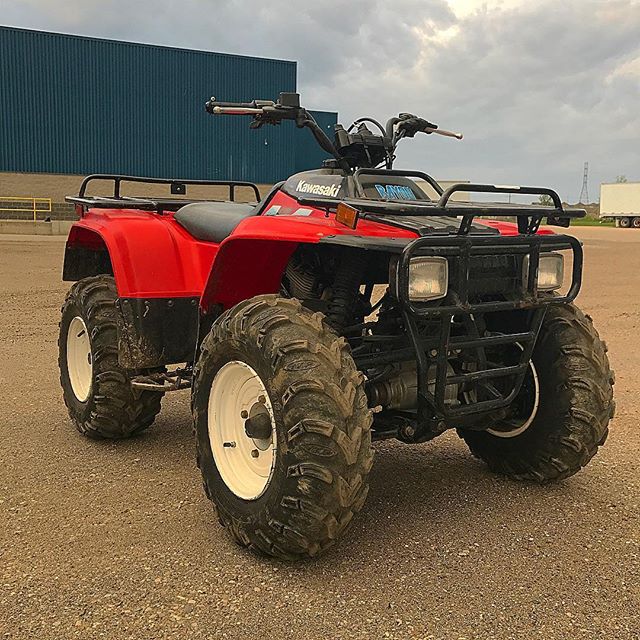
<point>345,306</point>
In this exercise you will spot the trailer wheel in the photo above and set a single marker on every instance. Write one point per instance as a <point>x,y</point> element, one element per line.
<point>96,389</point>
<point>573,405</point>
<point>625,222</point>
<point>636,222</point>
<point>282,428</point>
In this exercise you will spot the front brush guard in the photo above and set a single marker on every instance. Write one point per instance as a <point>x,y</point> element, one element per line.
<point>433,414</point>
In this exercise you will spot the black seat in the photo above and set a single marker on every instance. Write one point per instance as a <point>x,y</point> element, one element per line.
<point>213,221</point>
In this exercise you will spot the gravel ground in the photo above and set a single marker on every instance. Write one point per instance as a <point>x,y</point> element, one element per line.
<point>116,540</point>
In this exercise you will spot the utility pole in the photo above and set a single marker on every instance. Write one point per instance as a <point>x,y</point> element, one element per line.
<point>584,193</point>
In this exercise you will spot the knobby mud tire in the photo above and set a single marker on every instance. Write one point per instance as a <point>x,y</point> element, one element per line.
<point>322,426</point>
<point>576,404</point>
<point>113,409</point>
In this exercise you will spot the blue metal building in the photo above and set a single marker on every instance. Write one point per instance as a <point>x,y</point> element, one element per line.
<point>76,105</point>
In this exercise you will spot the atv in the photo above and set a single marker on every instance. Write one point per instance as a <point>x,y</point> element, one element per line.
<point>347,305</point>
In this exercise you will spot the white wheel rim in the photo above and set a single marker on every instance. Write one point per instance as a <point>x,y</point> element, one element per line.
<point>245,463</point>
<point>526,422</point>
<point>79,359</point>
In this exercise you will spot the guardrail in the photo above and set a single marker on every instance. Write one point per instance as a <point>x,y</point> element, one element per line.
<point>31,205</point>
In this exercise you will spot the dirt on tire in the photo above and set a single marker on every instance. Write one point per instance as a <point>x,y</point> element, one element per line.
<point>576,404</point>
<point>322,420</point>
<point>113,409</point>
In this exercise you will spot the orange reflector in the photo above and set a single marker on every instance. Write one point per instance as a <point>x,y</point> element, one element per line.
<point>347,215</point>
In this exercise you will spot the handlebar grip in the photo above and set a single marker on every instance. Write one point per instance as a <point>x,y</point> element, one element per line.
<point>212,103</point>
<point>444,132</point>
<point>214,106</point>
<point>235,111</point>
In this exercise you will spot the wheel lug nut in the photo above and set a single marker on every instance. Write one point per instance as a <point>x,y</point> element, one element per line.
<point>229,445</point>
<point>255,453</point>
<point>244,414</point>
<point>262,400</point>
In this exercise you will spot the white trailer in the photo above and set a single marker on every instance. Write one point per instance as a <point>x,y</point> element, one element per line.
<point>620,201</point>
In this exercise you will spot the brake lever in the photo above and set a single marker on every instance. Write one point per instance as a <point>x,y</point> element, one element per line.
<point>262,118</point>
<point>411,125</point>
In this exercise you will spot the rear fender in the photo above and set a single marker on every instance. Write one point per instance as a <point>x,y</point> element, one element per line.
<point>149,255</point>
<point>159,271</point>
<point>86,254</point>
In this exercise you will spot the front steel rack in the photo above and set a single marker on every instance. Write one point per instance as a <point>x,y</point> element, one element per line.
<point>528,216</point>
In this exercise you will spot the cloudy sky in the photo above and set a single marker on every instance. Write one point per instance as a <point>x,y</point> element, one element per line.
<point>538,87</point>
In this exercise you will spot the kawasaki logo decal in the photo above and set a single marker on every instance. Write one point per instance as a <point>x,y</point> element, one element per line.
<point>330,190</point>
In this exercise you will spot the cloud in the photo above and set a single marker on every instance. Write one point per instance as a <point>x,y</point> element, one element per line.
<point>537,87</point>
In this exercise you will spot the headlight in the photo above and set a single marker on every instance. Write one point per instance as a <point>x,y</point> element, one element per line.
<point>550,271</point>
<point>428,278</point>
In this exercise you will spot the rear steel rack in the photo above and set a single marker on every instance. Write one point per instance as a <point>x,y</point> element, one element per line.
<point>178,187</point>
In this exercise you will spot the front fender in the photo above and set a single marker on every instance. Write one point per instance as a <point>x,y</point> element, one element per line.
<point>244,268</point>
<point>253,259</point>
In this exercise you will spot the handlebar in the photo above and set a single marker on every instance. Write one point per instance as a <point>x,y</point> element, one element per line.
<point>268,112</point>
<point>409,123</point>
<point>406,125</point>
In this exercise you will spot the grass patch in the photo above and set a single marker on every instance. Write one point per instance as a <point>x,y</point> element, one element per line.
<point>591,222</point>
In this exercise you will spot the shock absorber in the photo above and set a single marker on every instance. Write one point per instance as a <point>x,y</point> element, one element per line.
<point>346,288</point>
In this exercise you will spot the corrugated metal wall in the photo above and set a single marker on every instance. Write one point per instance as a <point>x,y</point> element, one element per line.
<point>78,105</point>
